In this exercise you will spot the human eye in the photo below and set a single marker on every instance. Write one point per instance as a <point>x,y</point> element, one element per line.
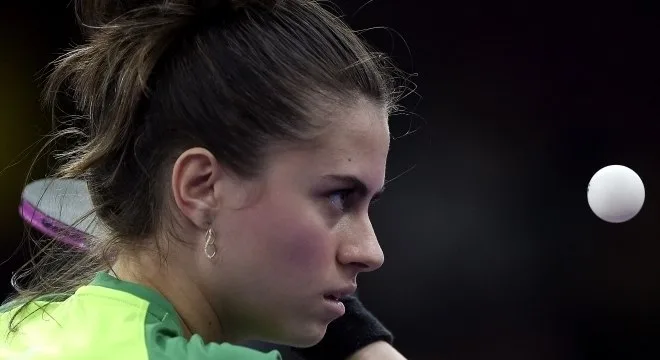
<point>341,199</point>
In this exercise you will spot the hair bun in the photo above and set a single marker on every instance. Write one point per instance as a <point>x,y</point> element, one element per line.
<point>100,12</point>
<point>93,13</point>
<point>231,5</point>
<point>220,4</point>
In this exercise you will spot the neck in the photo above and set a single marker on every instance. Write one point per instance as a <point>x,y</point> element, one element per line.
<point>195,313</point>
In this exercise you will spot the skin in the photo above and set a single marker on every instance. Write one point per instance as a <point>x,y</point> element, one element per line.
<point>283,239</point>
<point>379,350</point>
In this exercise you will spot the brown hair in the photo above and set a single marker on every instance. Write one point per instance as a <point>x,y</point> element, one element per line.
<point>157,77</point>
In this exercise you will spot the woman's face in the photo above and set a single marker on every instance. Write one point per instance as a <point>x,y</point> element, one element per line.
<point>306,236</point>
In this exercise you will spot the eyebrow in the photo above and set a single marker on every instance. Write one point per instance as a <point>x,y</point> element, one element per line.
<point>358,184</point>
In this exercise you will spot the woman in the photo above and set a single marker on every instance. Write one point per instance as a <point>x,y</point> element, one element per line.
<point>232,149</point>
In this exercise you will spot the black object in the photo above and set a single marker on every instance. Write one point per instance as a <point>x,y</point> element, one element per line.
<point>346,335</point>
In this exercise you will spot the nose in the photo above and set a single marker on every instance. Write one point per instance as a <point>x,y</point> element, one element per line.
<point>360,249</point>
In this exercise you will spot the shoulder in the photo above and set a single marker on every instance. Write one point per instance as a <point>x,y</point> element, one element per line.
<point>165,345</point>
<point>164,340</point>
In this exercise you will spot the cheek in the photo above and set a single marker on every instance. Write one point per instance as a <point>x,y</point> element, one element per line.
<point>298,245</point>
<point>302,250</point>
<point>286,241</point>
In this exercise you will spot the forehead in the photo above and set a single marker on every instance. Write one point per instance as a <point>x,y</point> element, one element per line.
<point>359,127</point>
<point>356,140</point>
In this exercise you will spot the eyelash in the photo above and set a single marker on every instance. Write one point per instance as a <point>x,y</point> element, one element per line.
<point>344,195</point>
<point>346,202</point>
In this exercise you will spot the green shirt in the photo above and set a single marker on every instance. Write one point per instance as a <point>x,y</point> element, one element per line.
<point>109,319</point>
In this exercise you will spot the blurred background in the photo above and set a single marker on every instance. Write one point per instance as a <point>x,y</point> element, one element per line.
<point>491,249</point>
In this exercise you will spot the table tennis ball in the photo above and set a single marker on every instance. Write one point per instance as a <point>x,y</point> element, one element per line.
<point>615,194</point>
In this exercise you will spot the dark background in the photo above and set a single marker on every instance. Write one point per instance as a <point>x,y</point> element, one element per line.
<point>492,251</point>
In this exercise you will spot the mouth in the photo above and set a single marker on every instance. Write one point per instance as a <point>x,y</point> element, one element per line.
<point>340,294</point>
<point>333,305</point>
<point>332,297</point>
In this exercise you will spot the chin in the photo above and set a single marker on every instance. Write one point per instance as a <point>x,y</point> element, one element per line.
<point>304,336</point>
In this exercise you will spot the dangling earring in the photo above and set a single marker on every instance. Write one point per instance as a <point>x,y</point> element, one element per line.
<point>209,246</point>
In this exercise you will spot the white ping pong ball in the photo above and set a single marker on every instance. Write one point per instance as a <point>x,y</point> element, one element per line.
<point>615,194</point>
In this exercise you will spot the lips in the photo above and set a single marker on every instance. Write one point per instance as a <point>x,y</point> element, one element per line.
<point>339,294</point>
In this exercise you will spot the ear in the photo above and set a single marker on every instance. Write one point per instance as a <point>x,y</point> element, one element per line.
<point>196,185</point>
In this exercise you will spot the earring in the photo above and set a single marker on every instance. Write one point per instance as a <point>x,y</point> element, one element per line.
<point>209,246</point>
